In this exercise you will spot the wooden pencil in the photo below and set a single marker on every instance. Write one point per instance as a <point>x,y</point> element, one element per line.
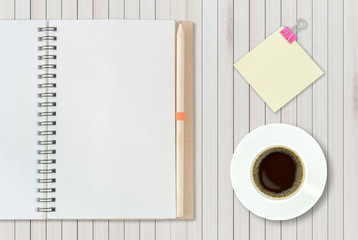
<point>180,120</point>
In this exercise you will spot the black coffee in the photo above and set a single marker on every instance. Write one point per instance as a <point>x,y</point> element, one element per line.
<point>277,172</point>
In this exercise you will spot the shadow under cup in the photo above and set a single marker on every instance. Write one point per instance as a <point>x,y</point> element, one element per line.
<point>277,172</point>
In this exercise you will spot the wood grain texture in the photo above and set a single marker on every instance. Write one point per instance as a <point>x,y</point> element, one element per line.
<point>210,120</point>
<point>241,107</point>
<point>304,106</point>
<point>100,230</point>
<point>226,109</point>
<point>85,229</point>
<point>257,105</point>
<point>320,107</point>
<point>69,229</point>
<point>350,119</point>
<point>335,121</point>
<point>194,13</point>
<point>225,118</point>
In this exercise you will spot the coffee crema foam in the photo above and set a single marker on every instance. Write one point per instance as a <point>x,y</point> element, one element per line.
<point>278,172</point>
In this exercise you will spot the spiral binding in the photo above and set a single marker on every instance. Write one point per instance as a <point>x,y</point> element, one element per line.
<point>46,118</point>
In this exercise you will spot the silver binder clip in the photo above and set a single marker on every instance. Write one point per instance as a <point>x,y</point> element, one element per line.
<point>290,33</point>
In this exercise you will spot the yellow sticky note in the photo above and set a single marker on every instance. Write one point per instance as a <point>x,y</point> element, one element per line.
<point>278,70</point>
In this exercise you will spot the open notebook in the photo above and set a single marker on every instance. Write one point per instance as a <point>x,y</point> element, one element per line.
<point>87,126</point>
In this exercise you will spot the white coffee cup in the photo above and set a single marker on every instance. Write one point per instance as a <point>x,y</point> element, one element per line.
<point>304,186</point>
<point>314,167</point>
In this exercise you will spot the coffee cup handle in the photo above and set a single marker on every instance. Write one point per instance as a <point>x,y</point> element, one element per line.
<point>312,190</point>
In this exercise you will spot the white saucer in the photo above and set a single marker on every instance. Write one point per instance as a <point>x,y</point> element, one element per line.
<point>315,171</point>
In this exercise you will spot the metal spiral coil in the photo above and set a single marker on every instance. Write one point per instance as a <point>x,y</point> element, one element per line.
<point>47,38</point>
<point>46,123</point>
<point>46,118</point>
<point>47,57</point>
<point>46,85</point>
<point>47,66</point>
<point>46,161</point>
<point>47,180</point>
<point>47,47</point>
<point>47,29</point>
<point>46,94</point>
<point>46,199</point>
<point>49,209</point>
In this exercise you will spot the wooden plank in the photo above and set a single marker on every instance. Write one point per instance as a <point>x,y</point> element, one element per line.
<point>131,9</point>
<point>162,9</point>
<point>350,119</point>
<point>54,9</point>
<point>85,9</point>
<point>178,10</point>
<point>7,230</point>
<point>100,9</point>
<point>257,105</point>
<point>225,118</point>
<point>100,230</point>
<point>69,229</point>
<point>304,106</point>
<point>147,228</point>
<point>131,230</point>
<point>178,227</point>
<point>273,21</point>
<point>38,9</point>
<point>7,9</point>
<point>116,9</point>
<point>69,8</point>
<point>288,112</point>
<point>194,13</point>
<point>84,229</point>
<point>22,9</point>
<point>38,230</point>
<point>320,108</point>
<point>210,120</point>
<point>335,121</point>
<point>54,230</point>
<point>22,229</point>
<point>162,230</point>
<point>241,105</point>
<point>162,227</point>
<point>115,230</point>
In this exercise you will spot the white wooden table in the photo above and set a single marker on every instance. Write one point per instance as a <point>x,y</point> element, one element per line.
<point>226,109</point>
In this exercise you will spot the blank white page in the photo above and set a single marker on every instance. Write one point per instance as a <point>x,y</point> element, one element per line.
<point>18,121</point>
<point>115,119</point>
